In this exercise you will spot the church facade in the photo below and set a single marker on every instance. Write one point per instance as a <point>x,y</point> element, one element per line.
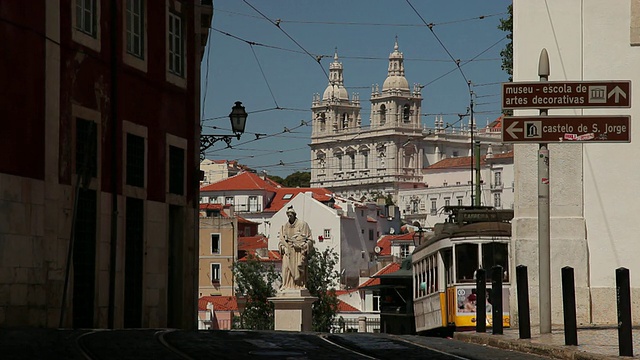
<point>387,153</point>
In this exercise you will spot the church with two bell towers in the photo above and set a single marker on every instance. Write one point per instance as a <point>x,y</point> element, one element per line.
<point>387,154</point>
<point>365,161</point>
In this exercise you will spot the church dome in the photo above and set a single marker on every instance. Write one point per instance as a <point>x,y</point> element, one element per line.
<point>395,82</point>
<point>335,92</point>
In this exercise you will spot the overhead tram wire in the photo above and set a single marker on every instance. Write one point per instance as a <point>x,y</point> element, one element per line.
<point>264,77</point>
<point>311,22</point>
<point>277,24</point>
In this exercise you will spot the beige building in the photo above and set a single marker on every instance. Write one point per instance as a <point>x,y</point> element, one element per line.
<point>218,251</point>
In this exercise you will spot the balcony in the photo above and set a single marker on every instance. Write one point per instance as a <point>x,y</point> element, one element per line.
<point>498,186</point>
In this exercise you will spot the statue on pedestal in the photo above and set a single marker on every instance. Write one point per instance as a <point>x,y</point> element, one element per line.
<point>296,246</point>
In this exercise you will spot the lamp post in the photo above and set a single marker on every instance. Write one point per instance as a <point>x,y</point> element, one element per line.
<point>238,118</point>
<point>417,236</point>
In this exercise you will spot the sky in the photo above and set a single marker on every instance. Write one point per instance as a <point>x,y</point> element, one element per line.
<point>265,54</point>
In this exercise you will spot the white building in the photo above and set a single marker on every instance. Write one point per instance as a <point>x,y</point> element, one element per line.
<point>387,153</point>
<point>448,182</point>
<point>594,214</point>
<point>349,228</point>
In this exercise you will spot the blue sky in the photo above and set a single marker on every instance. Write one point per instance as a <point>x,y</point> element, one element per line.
<point>275,78</point>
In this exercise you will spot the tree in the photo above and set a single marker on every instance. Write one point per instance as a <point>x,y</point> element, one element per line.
<point>254,281</point>
<point>276,178</point>
<point>298,179</point>
<point>507,52</point>
<point>321,282</point>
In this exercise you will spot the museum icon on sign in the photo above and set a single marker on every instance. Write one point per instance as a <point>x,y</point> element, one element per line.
<point>532,129</point>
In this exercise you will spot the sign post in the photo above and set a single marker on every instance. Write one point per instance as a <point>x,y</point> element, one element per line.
<point>543,129</point>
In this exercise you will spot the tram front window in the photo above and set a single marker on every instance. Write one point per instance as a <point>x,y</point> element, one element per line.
<point>495,254</point>
<point>466,262</point>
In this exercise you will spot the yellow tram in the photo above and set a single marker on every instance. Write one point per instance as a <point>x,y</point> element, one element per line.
<point>444,266</point>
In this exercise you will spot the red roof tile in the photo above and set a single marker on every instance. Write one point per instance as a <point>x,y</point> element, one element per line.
<point>242,181</point>
<point>386,241</point>
<point>251,243</point>
<point>372,220</point>
<point>284,195</point>
<point>272,256</point>
<point>220,303</point>
<point>391,268</point>
<point>344,307</point>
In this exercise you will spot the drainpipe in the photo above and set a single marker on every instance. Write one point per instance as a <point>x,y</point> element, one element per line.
<point>114,162</point>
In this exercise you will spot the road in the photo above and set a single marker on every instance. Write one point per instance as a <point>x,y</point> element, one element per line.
<point>169,344</point>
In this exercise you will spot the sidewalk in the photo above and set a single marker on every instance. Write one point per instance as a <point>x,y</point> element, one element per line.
<point>593,343</point>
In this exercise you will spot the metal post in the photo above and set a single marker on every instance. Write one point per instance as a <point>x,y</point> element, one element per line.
<point>569,306</point>
<point>478,197</point>
<point>623,295</point>
<point>481,301</point>
<point>544,235</point>
<point>524,318</point>
<point>496,299</point>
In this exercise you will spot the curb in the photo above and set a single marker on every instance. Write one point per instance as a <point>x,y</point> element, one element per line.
<point>527,346</point>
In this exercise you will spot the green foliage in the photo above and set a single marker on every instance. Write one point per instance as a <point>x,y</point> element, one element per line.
<point>254,281</point>
<point>297,179</point>
<point>321,281</point>
<point>507,53</point>
<point>276,178</point>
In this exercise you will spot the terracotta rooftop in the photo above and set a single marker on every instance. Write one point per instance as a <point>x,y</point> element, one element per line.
<point>386,241</point>
<point>220,303</point>
<point>391,268</point>
<point>242,181</point>
<point>284,195</point>
<point>344,307</point>
<point>251,243</point>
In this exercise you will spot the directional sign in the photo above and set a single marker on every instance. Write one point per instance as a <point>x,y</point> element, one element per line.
<point>545,129</point>
<point>562,94</point>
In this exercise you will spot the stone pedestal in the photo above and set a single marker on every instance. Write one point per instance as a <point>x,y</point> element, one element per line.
<point>293,310</point>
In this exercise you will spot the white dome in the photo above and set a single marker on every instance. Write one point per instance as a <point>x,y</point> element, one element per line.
<point>336,91</point>
<point>395,82</point>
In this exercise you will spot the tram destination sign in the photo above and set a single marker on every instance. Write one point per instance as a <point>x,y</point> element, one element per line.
<point>547,129</point>
<point>566,94</point>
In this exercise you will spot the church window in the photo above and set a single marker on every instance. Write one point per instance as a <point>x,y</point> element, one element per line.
<point>345,121</point>
<point>406,113</point>
<point>383,114</point>
<point>353,160</point>
<point>365,159</point>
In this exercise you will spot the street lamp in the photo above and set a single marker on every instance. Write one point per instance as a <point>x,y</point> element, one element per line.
<point>238,118</point>
<point>417,236</point>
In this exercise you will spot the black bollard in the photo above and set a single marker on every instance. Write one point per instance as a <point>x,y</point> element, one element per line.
<point>524,315</point>
<point>496,298</point>
<point>623,297</point>
<point>569,306</point>
<point>481,301</point>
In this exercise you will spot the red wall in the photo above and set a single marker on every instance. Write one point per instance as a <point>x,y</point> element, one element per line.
<point>22,77</point>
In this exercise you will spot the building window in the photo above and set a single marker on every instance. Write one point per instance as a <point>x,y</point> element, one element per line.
<point>135,27</point>
<point>327,234</point>
<point>404,251</point>
<point>498,178</point>
<point>376,300</point>
<point>86,17</point>
<point>406,113</point>
<point>497,201</point>
<point>383,114</point>
<point>371,234</point>
<point>215,273</point>
<point>365,158</point>
<point>434,207</point>
<point>253,204</point>
<point>215,243</point>
<point>459,201</point>
<point>228,200</point>
<point>86,148</point>
<point>352,156</point>
<point>339,158</point>
<point>176,45</point>
<point>447,202</point>
<point>135,160</point>
<point>176,170</point>
<point>414,206</point>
